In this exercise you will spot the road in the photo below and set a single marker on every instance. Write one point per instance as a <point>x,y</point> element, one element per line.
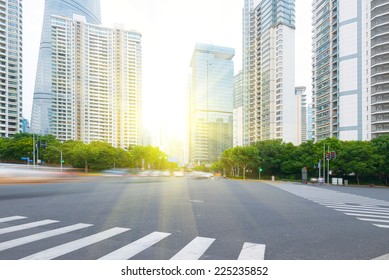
<point>179,218</point>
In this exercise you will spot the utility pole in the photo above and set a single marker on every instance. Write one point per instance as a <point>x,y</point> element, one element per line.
<point>324,162</point>
<point>61,154</point>
<point>33,149</point>
<point>329,156</point>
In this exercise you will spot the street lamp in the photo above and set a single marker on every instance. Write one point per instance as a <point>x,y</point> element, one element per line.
<point>61,154</point>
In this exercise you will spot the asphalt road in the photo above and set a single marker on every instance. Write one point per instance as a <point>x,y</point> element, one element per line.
<point>164,218</point>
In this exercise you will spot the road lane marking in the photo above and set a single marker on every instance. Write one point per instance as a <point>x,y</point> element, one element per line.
<point>361,208</point>
<point>252,251</point>
<point>195,249</point>
<point>27,226</point>
<point>39,236</point>
<point>384,257</point>
<point>360,211</point>
<point>365,215</point>
<point>381,226</point>
<point>13,218</point>
<point>75,245</point>
<point>136,247</point>
<point>374,220</point>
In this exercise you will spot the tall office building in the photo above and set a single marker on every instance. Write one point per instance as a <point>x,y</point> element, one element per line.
<point>238,111</point>
<point>95,83</point>
<point>11,73</point>
<point>268,63</point>
<point>90,9</point>
<point>341,69</point>
<point>379,68</point>
<point>210,102</point>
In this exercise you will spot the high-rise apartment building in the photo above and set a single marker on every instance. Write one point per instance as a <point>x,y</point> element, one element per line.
<point>95,83</point>
<point>301,114</point>
<point>11,72</point>
<point>210,102</point>
<point>379,68</point>
<point>90,9</point>
<point>247,25</point>
<point>341,69</point>
<point>268,69</point>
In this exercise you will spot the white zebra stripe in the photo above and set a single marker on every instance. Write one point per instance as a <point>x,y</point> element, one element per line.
<point>381,226</point>
<point>252,251</point>
<point>136,247</point>
<point>75,245</point>
<point>27,226</point>
<point>362,212</point>
<point>39,236</point>
<point>374,220</point>
<point>13,218</point>
<point>194,250</point>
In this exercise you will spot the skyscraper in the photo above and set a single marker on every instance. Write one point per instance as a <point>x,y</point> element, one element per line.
<point>211,102</point>
<point>11,73</point>
<point>95,83</point>
<point>379,68</point>
<point>341,69</point>
<point>90,9</point>
<point>238,111</point>
<point>247,51</point>
<point>268,66</point>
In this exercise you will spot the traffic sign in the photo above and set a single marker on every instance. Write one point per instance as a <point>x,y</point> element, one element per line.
<point>24,158</point>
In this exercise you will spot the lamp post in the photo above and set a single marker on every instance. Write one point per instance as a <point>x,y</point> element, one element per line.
<point>61,154</point>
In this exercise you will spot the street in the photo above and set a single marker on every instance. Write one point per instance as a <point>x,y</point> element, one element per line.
<point>180,218</point>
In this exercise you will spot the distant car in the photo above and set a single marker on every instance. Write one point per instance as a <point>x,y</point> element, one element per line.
<point>200,175</point>
<point>178,174</point>
<point>114,173</point>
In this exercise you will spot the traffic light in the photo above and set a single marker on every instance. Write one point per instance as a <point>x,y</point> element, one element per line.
<point>333,155</point>
<point>43,144</point>
<point>328,156</point>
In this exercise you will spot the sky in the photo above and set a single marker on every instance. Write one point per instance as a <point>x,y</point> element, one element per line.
<point>170,29</point>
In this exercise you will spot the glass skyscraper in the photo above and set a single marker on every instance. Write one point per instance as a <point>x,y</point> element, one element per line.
<point>90,9</point>
<point>211,102</point>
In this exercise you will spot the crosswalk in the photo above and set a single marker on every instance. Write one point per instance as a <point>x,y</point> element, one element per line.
<point>194,250</point>
<point>363,208</point>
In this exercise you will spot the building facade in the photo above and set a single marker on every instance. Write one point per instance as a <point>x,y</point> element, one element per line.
<point>90,9</point>
<point>268,66</point>
<point>301,114</point>
<point>11,72</point>
<point>238,111</point>
<point>379,68</point>
<point>210,102</point>
<point>95,83</point>
<point>341,69</point>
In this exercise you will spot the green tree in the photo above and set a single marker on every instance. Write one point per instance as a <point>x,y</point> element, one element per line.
<point>301,156</point>
<point>382,147</point>
<point>227,161</point>
<point>19,146</point>
<point>272,153</point>
<point>245,157</point>
<point>358,157</point>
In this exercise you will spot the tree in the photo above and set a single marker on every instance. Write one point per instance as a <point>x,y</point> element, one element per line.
<point>358,157</point>
<point>382,147</point>
<point>272,153</point>
<point>227,161</point>
<point>245,157</point>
